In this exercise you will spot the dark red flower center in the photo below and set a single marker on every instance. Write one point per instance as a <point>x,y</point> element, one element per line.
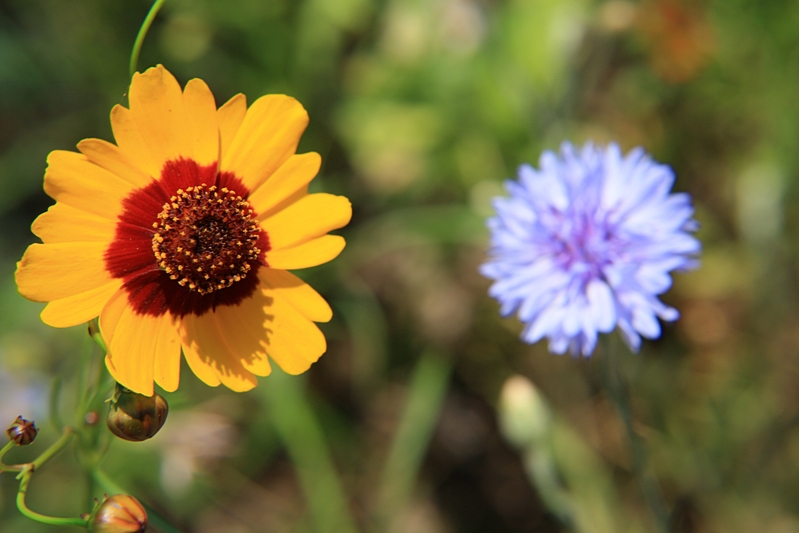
<point>206,238</point>
<point>188,242</point>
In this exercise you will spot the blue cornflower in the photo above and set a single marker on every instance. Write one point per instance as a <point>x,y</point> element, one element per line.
<point>587,243</point>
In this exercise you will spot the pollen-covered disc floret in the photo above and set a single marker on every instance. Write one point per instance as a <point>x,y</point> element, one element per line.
<point>206,238</point>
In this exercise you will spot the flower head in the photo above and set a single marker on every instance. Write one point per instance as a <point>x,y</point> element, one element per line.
<point>587,243</point>
<point>180,235</point>
<point>119,513</point>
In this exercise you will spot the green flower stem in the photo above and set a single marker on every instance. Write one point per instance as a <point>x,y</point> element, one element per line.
<point>107,484</point>
<point>86,357</point>
<point>145,27</point>
<point>56,447</point>
<point>618,391</point>
<point>94,380</point>
<point>33,515</point>
<point>539,462</point>
<point>94,333</point>
<point>3,451</point>
<point>55,392</point>
<point>7,447</point>
<point>25,478</point>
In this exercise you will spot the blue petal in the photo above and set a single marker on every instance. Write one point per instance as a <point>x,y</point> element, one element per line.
<point>586,243</point>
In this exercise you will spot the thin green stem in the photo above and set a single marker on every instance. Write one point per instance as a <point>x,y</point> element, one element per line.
<point>94,333</point>
<point>55,392</point>
<point>56,447</point>
<point>3,451</point>
<point>108,485</point>
<point>102,386</point>
<point>84,376</point>
<point>539,462</point>
<point>7,447</point>
<point>145,27</point>
<point>618,391</point>
<point>27,473</point>
<point>93,381</point>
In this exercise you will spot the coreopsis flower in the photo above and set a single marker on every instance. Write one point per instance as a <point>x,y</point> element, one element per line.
<point>587,243</point>
<point>180,235</point>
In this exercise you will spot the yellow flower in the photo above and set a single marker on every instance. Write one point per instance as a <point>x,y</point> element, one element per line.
<point>179,238</point>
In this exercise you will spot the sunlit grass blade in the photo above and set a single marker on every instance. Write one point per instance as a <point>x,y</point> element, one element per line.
<point>298,427</point>
<point>425,398</point>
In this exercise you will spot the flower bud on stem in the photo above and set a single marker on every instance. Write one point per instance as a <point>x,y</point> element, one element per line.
<point>134,416</point>
<point>145,27</point>
<point>118,514</point>
<point>22,432</point>
<point>617,389</point>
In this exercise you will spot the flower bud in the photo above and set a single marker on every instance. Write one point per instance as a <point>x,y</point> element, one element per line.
<point>22,431</point>
<point>524,415</point>
<point>134,416</point>
<point>91,418</point>
<point>118,514</point>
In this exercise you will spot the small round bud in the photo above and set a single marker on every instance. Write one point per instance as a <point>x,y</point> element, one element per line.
<point>524,415</point>
<point>134,416</point>
<point>91,418</point>
<point>118,514</point>
<point>22,431</point>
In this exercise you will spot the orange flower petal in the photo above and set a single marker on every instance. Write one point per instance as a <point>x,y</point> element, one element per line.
<point>166,368</point>
<point>268,136</point>
<point>111,313</point>
<point>243,328</point>
<point>202,336</point>
<point>62,223</point>
<point>297,293</point>
<point>50,272</point>
<point>307,219</point>
<point>292,176</point>
<point>130,141</point>
<point>132,349</point>
<point>141,348</point>
<point>72,179</point>
<point>294,342</point>
<point>308,254</point>
<point>201,121</point>
<point>156,102</point>
<point>80,308</point>
<point>230,116</point>
<point>113,159</point>
<point>200,365</point>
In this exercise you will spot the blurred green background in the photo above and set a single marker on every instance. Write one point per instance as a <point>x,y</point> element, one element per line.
<point>420,108</point>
